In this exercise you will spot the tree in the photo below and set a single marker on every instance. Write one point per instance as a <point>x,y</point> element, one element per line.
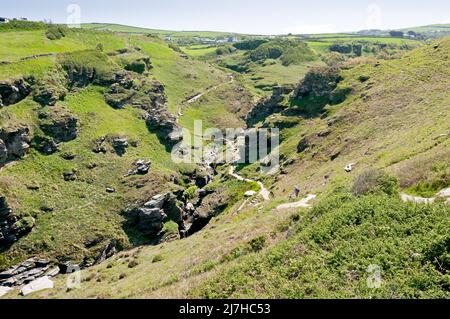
<point>397,34</point>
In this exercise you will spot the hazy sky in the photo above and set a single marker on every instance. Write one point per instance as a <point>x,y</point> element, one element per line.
<point>244,16</point>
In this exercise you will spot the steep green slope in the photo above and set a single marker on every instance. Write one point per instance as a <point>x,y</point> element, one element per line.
<point>74,195</point>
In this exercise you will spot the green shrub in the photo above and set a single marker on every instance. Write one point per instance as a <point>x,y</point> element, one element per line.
<point>258,243</point>
<point>298,54</point>
<point>157,259</point>
<point>331,251</point>
<point>170,228</point>
<point>55,32</point>
<point>136,66</point>
<point>17,25</point>
<point>191,192</point>
<point>224,50</point>
<point>249,44</point>
<point>439,254</point>
<point>375,181</point>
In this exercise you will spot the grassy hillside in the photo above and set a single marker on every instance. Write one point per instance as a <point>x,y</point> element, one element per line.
<point>391,115</point>
<point>70,213</point>
<point>434,30</point>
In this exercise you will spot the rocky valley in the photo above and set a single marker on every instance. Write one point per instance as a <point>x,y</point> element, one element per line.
<point>89,118</point>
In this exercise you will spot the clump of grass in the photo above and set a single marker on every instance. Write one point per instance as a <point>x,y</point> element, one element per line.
<point>133,263</point>
<point>56,32</point>
<point>157,258</point>
<point>122,276</point>
<point>258,243</point>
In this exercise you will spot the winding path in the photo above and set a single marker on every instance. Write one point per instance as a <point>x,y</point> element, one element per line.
<point>263,192</point>
<point>199,95</point>
<point>445,193</point>
<point>304,203</point>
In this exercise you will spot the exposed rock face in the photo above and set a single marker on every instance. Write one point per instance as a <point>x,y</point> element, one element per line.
<point>148,96</point>
<point>14,143</point>
<point>303,145</point>
<point>45,95</point>
<point>51,89</point>
<point>26,272</point>
<point>11,227</point>
<point>210,206</point>
<point>165,124</point>
<point>37,285</point>
<point>149,219</point>
<point>45,144</point>
<point>120,145</point>
<point>105,253</point>
<point>12,93</point>
<point>99,145</point>
<point>141,168</point>
<point>3,152</point>
<point>59,124</point>
<point>268,106</point>
<point>70,175</point>
<point>203,175</point>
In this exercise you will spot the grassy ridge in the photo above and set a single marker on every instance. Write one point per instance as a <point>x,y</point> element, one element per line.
<point>138,30</point>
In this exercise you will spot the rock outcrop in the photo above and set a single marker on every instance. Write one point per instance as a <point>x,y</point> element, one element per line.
<point>14,142</point>
<point>141,167</point>
<point>13,92</point>
<point>51,89</point>
<point>210,206</point>
<point>149,219</point>
<point>120,145</point>
<point>59,124</point>
<point>37,285</point>
<point>11,226</point>
<point>130,89</point>
<point>27,272</point>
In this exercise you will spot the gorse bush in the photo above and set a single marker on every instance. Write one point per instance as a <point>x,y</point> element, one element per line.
<point>55,32</point>
<point>18,25</point>
<point>249,44</point>
<point>290,52</point>
<point>375,181</point>
<point>331,251</point>
<point>225,50</point>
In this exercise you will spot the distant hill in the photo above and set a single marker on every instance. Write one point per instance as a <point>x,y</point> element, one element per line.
<point>431,30</point>
<point>167,33</point>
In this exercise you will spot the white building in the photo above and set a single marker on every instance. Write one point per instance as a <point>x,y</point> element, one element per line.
<point>4,20</point>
